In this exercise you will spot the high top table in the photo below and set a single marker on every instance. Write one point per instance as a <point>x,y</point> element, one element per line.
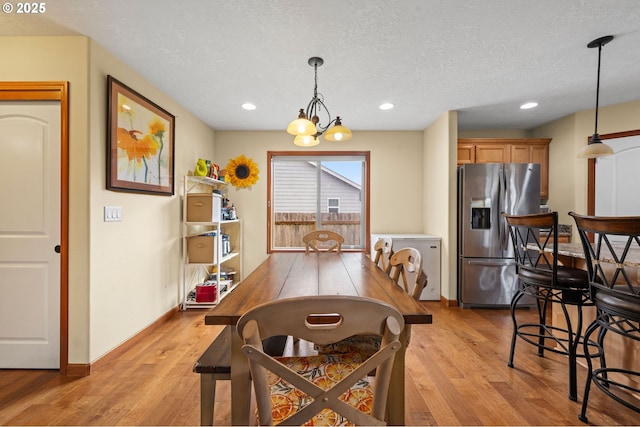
<point>285,275</point>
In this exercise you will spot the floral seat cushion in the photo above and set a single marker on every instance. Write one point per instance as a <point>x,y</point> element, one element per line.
<point>363,344</point>
<point>323,370</point>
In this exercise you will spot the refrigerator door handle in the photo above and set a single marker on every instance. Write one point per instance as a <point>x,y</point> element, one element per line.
<point>502,197</point>
<point>504,235</point>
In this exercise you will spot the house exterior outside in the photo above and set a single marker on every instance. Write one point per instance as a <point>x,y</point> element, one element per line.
<point>295,203</point>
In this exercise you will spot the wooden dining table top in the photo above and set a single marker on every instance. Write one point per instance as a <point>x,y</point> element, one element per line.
<point>285,275</point>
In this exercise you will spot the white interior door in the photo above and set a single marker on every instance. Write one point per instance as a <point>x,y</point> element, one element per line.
<point>29,234</point>
<point>617,178</point>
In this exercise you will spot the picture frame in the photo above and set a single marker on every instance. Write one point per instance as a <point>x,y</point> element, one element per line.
<point>140,143</point>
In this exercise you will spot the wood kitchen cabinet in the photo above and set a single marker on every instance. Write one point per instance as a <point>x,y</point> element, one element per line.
<point>493,153</point>
<point>466,153</point>
<point>507,150</point>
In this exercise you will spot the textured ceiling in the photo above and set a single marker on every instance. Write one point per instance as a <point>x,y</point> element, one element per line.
<point>481,58</point>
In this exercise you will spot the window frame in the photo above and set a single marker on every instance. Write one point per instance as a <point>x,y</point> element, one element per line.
<point>366,178</point>
<point>329,206</point>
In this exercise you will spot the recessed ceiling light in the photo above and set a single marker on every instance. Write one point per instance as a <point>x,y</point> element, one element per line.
<point>386,106</point>
<point>248,106</point>
<point>528,105</point>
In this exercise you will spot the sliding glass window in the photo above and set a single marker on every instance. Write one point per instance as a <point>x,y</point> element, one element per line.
<point>318,191</point>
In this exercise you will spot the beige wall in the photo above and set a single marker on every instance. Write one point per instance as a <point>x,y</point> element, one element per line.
<point>396,159</point>
<point>64,59</point>
<point>401,209</point>
<point>409,190</point>
<point>439,200</point>
<point>568,174</point>
<point>122,276</point>
<point>135,264</point>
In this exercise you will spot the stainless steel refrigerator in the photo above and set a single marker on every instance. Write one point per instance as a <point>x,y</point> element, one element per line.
<point>486,265</point>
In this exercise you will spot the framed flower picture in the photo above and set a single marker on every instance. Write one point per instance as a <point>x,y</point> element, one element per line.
<point>140,143</point>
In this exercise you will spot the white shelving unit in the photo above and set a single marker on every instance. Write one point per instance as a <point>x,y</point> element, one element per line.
<point>223,263</point>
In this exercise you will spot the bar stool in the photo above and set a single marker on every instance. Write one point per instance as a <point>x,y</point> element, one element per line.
<point>541,279</point>
<point>615,291</point>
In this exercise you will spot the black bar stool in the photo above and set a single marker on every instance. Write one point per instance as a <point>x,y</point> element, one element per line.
<point>541,279</point>
<point>615,291</point>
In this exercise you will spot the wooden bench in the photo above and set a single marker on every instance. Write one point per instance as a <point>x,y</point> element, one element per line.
<point>215,364</point>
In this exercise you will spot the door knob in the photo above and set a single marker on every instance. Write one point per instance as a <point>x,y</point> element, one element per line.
<point>57,249</point>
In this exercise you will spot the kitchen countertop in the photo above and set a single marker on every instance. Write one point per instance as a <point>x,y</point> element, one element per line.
<point>563,230</point>
<point>575,250</point>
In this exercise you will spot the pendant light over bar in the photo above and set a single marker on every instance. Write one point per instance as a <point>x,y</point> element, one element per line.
<point>307,127</point>
<point>596,148</point>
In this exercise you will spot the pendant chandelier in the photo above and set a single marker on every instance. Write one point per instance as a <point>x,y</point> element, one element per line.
<point>596,148</point>
<point>307,127</point>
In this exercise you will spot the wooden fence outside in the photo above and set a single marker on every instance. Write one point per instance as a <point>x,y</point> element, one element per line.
<point>290,227</point>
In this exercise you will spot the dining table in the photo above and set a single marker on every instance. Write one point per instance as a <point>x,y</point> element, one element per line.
<point>288,274</point>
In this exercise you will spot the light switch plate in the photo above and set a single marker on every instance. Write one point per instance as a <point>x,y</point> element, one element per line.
<point>112,213</point>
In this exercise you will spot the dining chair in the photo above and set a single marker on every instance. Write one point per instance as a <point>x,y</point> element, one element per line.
<point>383,249</point>
<point>311,238</point>
<point>406,264</point>
<point>612,247</point>
<point>321,389</point>
<point>541,279</point>
<point>405,269</point>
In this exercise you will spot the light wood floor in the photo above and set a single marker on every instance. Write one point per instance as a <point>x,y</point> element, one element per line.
<point>456,375</point>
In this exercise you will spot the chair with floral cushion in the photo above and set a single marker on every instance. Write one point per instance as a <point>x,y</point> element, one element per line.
<point>384,251</point>
<point>405,269</point>
<point>311,238</point>
<point>322,389</point>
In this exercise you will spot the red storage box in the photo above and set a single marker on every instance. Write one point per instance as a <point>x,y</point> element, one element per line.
<point>206,293</point>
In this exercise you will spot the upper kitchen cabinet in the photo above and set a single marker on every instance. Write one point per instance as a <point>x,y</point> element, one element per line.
<point>492,153</point>
<point>466,153</point>
<point>503,150</point>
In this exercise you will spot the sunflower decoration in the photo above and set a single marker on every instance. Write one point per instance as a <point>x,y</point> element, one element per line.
<point>241,172</point>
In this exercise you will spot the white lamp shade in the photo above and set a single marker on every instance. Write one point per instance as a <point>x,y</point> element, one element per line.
<point>593,151</point>
<point>338,133</point>
<point>306,141</point>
